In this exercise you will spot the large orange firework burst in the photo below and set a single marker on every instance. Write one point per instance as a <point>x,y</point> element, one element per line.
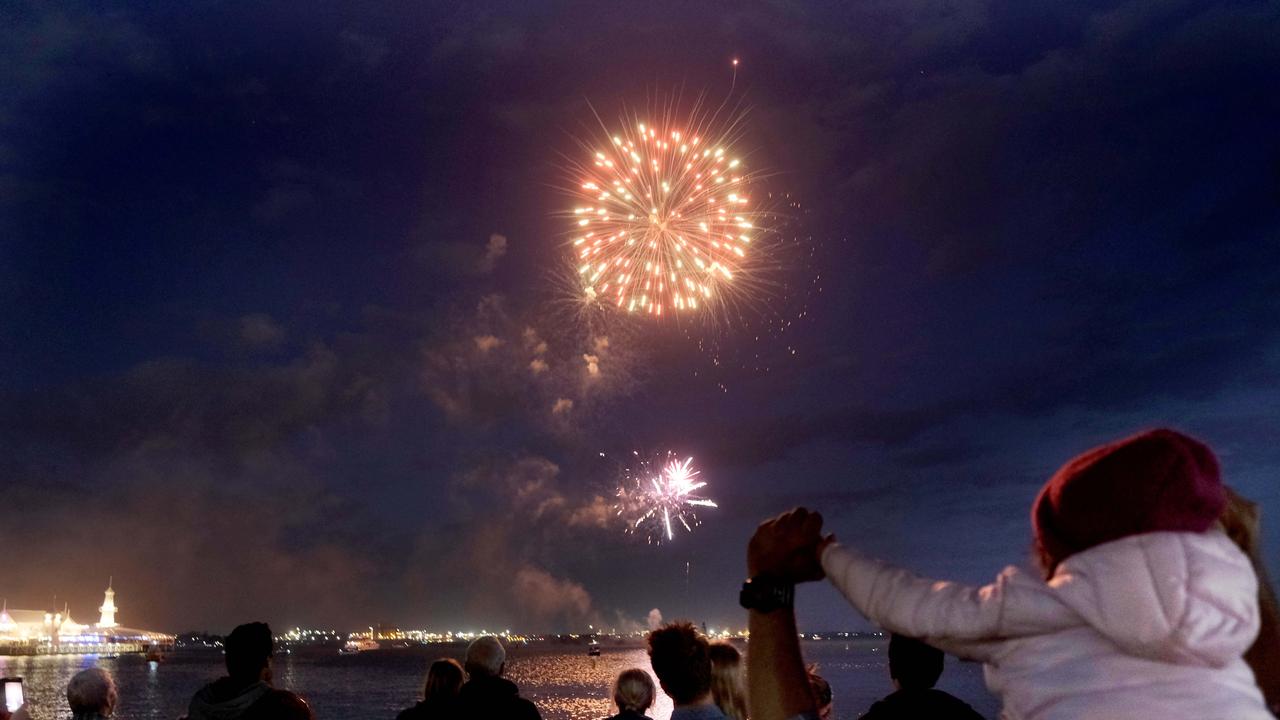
<point>664,221</point>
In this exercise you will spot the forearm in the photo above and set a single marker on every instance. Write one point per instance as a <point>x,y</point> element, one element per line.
<point>778,686</point>
<point>956,618</point>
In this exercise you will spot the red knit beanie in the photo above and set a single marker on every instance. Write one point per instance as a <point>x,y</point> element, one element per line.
<point>1156,480</point>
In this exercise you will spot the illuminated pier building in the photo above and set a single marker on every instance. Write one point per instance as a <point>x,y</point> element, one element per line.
<point>43,632</point>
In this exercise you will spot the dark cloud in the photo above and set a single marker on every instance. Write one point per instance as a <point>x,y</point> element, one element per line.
<point>493,251</point>
<point>259,330</point>
<point>769,439</point>
<point>461,259</point>
<point>502,359</point>
<point>515,521</point>
<point>365,51</point>
<point>180,403</point>
<point>294,188</point>
<point>211,480</point>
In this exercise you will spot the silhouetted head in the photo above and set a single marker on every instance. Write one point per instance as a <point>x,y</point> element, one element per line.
<point>913,664</point>
<point>485,657</point>
<point>821,692</point>
<point>92,691</point>
<point>634,691</point>
<point>728,686</point>
<point>444,680</point>
<point>681,658</point>
<point>249,649</point>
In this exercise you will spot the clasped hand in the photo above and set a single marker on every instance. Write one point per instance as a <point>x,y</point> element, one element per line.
<point>788,547</point>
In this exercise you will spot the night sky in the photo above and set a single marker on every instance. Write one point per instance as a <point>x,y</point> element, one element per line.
<point>273,280</point>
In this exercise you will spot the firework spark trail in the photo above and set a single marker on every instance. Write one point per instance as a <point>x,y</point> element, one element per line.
<point>655,494</point>
<point>663,220</point>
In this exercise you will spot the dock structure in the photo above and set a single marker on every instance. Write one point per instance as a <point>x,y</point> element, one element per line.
<point>54,632</point>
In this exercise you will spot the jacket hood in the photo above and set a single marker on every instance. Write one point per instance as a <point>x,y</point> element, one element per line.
<point>1178,597</point>
<point>224,700</point>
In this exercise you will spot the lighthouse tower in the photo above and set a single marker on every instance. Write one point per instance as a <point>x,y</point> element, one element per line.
<point>108,609</point>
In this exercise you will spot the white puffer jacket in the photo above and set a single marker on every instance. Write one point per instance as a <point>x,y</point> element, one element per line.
<point>1146,627</point>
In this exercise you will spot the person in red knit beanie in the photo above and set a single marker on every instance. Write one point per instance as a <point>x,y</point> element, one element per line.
<point>1144,609</point>
<point>1159,480</point>
<point>1153,481</point>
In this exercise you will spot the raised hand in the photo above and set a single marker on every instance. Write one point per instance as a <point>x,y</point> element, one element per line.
<point>786,547</point>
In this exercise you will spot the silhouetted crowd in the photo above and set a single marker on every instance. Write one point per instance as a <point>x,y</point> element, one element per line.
<point>1151,602</point>
<point>704,679</point>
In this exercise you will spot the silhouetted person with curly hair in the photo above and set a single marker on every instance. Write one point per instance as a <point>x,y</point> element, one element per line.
<point>681,659</point>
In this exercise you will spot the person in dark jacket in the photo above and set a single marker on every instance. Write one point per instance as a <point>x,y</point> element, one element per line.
<point>633,693</point>
<point>915,668</point>
<point>439,693</point>
<point>487,694</point>
<point>246,692</point>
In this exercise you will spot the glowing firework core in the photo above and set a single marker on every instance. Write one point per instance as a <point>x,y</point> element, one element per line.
<point>653,499</point>
<point>666,221</point>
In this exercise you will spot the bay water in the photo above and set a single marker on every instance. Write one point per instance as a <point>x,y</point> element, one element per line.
<point>565,683</point>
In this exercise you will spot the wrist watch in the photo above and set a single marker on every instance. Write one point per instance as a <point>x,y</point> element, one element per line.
<point>766,594</point>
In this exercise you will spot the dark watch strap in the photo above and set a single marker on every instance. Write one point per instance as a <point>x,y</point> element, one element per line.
<point>766,594</point>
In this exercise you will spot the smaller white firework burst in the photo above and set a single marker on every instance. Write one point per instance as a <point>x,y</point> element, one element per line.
<point>660,495</point>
